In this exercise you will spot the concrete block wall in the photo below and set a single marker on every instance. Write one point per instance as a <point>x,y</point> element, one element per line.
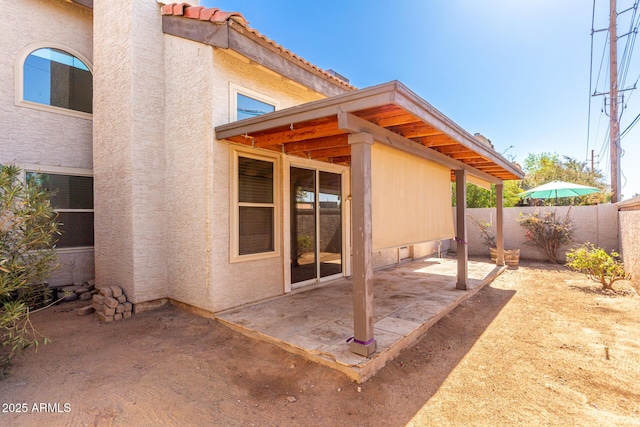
<point>596,224</point>
<point>629,224</point>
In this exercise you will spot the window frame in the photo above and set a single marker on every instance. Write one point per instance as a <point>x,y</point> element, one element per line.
<point>235,204</point>
<point>235,89</point>
<point>19,79</point>
<point>58,170</point>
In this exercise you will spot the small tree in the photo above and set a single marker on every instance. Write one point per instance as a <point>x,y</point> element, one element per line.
<point>27,233</point>
<point>597,264</point>
<point>485,234</point>
<point>547,232</point>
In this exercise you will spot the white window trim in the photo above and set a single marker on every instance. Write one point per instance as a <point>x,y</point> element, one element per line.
<point>19,80</point>
<point>235,89</point>
<point>59,170</point>
<point>234,235</point>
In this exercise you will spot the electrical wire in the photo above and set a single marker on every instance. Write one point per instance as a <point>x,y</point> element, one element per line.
<point>629,45</point>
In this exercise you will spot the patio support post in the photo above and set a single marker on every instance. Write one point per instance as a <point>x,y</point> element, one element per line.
<point>500,224</point>
<point>461,229</point>
<point>363,342</point>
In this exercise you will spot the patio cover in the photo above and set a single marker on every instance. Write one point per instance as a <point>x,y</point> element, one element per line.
<point>342,129</point>
<point>391,112</point>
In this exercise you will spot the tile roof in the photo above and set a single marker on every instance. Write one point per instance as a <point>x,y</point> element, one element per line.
<point>212,14</point>
<point>218,16</point>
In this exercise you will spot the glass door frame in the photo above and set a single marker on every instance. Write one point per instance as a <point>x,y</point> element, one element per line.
<point>288,163</point>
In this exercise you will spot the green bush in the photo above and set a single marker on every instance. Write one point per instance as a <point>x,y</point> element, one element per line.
<point>28,230</point>
<point>305,244</point>
<point>597,264</point>
<point>547,232</point>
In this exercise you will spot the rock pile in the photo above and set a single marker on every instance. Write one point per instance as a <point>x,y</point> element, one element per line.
<point>82,292</point>
<point>109,304</point>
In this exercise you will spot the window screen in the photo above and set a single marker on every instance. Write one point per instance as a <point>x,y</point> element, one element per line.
<point>73,200</point>
<point>255,206</point>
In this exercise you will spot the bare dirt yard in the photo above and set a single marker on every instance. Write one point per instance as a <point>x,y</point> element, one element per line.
<point>530,349</point>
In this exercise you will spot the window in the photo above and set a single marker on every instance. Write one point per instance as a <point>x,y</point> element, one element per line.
<point>56,78</point>
<point>254,198</point>
<point>248,107</point>
<point>246,103</point>
<point>73,200</point>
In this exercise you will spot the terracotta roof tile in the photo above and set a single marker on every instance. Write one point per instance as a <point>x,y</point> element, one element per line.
<point>216,15</point>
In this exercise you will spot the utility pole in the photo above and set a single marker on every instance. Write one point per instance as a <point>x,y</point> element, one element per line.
<point>614,120</point>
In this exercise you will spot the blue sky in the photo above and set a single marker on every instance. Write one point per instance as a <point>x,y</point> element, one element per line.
<point>515,71</point>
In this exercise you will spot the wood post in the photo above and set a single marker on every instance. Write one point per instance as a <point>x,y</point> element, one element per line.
<point>500,224</point>
<point>461,229</point>
<point>614,118</point>
<point>363,342</point>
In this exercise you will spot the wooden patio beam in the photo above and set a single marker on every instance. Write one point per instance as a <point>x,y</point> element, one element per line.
<point>500,224</point>
<point>415,130</point>
<point>462,249</point>
<point>363,342</point>
<point>332,141</point>
<point>356,124</point>
<point>330,152</point>
<point>299,133</point>
<point>424,111</point>
<point>436,141</point>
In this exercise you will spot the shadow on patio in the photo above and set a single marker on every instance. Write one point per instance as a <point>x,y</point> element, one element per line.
<point>316,322</point>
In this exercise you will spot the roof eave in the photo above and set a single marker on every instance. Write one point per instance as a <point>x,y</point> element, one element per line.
<point>235,36</point>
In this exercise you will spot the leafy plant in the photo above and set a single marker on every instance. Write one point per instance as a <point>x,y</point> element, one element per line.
<point>545,167</point>
<point>27,234</point>
<point>305,244</point>
<point>597,264</point>
<point>547,232</point>
<point>485,231</point>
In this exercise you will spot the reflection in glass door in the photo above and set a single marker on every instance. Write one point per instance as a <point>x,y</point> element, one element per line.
<point>316,225</point>
<point>303,225</point>
<point>330,223</point>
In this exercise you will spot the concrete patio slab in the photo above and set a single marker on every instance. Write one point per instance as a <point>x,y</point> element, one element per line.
<point>316,322</point>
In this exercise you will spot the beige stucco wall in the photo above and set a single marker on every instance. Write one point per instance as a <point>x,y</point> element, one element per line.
<point>75,267</point>
<point>161,180</point>
<point>198,211</point>
<point>30,136</point>
<point>388,257</point>
<point>630,243</point>
<point>596,224</point>
<point>129,158</point>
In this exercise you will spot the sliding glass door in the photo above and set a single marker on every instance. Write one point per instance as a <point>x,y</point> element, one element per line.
<point>316,225</point>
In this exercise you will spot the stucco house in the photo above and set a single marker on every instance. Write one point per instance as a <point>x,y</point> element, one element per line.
<point>204,164</point>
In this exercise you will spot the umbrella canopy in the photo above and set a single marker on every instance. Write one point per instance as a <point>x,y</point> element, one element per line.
<point>557,189</point>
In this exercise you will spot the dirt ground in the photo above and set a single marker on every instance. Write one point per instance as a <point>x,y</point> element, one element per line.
<point>530,349</point>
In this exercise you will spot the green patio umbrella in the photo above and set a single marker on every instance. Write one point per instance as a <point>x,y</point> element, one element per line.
<point>556,189</point>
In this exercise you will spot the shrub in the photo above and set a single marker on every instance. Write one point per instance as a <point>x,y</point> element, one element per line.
<point>547,232</point>
<point>27,233</point>
<point>305,244</point>
<point>485,234</point>
<point>597,264</point>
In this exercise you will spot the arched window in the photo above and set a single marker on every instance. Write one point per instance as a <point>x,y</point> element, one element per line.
<point>57,78</point>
